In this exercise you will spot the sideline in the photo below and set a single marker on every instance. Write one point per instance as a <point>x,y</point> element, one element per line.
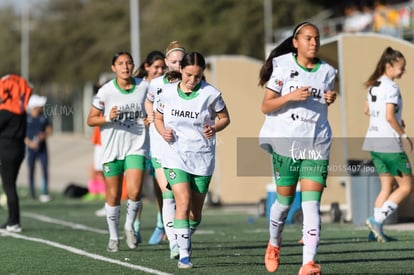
<point>77,251</point>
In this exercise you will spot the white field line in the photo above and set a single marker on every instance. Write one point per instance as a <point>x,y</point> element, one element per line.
<point>77,251</point>
<point>64,223</point>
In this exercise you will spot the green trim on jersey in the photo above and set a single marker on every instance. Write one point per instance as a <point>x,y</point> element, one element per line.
<point>125,91</point>
<point>165,79</point>
<point>192,95</point>
<point>314,69</point>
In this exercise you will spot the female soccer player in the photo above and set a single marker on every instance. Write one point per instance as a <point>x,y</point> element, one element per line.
<point>297,133</point>
<point>125,143</point>
<point>189,114</point>
<point>173,55</point>
<point>386,138</point>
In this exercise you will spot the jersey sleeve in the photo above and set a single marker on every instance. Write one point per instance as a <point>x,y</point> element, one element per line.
<point>159,104</point>
<point>99,100</point>
<point>394,94</point>
<point>219,104</point>
<point>275,82</point>
<point>151,92</point>
<point>331,78</point>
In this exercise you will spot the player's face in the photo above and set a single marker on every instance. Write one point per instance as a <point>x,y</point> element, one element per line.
<point>156,69</point>
<point>190,77</point>
<point>398,68</point>
<point>173,60</point>
<point>307,42</point>
<point>123,67</point>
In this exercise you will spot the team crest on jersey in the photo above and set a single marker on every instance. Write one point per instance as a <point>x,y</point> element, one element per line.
<point>172,174</point>
<point>279,82</point>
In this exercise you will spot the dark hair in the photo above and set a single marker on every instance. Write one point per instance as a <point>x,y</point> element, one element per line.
<point>193,58</point>
<point>118,54</point>
<point>389,56</point>
<point>149,60</point>
<point>283,48</point>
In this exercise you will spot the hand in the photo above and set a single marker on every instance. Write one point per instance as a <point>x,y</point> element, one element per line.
<point>168,135</point>
<point>301,94</point>
<point>209,131</point>
<point>113,113</point>
<point>150,117</point>
<point>330,97</point>
<point>407,144</point>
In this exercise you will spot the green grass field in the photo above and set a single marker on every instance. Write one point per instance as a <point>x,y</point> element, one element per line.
<point>65,237</point>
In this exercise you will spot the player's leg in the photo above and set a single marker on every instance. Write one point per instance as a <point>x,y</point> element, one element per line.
<point>180,185</point>
<point>113,173</point>
<point>313,174</point>
<point>286,177</point>
<point>134,176</point>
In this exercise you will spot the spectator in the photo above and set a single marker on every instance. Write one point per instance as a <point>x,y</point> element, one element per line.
<point>14,97</point>
<point>39,128</point>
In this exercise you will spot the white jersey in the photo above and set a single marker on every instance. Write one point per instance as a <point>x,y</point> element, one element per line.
<point>380,136</point>
<point>155,89</point>
<point>299,129</point>
<point>126,134</point>
<point>186,115</point>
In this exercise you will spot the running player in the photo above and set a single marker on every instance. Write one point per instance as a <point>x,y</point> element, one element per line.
<point>152,67</point>
<point>125,144</point>
<point>189,114</point>
<point>173,55</point>
<point>386,138</point>
<point>296,131</point>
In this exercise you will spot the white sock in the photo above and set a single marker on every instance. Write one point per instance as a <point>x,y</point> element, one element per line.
<point>311,230</point>
<point>386,210</point>
<point>131,213</point>
<point>183,241</point>
<point>168,212</point>
<point>278,214</point>
<point>112,219</point>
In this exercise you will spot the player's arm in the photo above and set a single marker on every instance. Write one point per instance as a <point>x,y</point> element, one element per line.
<point>96,119</point>
<point>273,101</point>
<point>167,134</point>
<point>148,105</point>
<point>392,120</point>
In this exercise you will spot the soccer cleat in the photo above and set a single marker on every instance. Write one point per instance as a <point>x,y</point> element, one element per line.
<point>174,252</point>
<point>45,198</point>
<point>15,228</point>
<point>131,239</point>
<point>310,269</point>
<point>185,263</point>
<point>156,236</point>
<point>272,257</point>
<point>376,229</point>
<point>100,212</point>
<point>371,237</point>
<point>113,246</point>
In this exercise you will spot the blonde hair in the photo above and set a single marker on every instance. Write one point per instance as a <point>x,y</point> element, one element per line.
<point>174,46</point>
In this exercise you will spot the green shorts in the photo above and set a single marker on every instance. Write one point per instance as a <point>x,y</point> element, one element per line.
<point>288,171</point>
<point>156,163</point>
<point>199,184</point>
<point>396,164</point>
<point>119,166</point>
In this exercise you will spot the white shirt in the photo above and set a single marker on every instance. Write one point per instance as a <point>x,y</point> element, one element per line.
<point>190,151</point>
<point>380,136</point>
<point>299,129</point>
<point>155,90</point>
<point>126,134</point>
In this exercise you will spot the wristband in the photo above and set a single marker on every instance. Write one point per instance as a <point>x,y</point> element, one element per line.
<point>404,136</point>
<point>108,118</point>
